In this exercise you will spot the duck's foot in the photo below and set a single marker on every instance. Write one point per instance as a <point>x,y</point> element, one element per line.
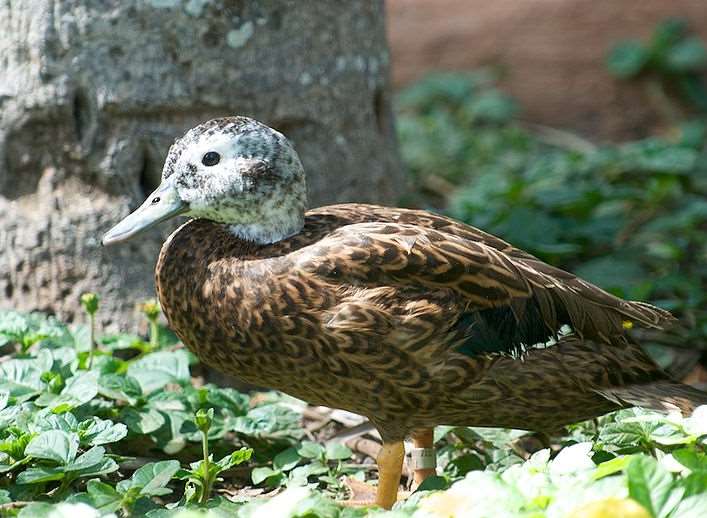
<point>423,462</point>
<point>364,495</point>
<point>390,467</point>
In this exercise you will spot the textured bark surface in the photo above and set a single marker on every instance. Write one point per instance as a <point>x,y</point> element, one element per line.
<point>93,92</point>
<point>551,53</point>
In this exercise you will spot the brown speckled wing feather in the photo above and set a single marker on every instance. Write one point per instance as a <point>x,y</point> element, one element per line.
<point>485,271</point>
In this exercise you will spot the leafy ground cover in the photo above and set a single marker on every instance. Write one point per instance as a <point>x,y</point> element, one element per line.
<point>129,429</point>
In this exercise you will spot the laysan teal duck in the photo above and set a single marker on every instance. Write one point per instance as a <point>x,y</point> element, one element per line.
<point>409,318</point>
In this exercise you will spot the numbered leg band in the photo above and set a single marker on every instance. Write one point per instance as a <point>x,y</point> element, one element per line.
<point>422,458</point>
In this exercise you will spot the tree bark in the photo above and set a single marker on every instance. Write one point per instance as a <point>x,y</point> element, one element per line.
<point>93,92</point>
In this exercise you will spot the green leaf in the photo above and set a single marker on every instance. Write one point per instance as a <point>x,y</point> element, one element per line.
<point>649,484</point>
<point>492,107</point>
<point>125,388</point>
<point>13,324</point>
<point>79,389</point>
<point>235,458</point>
<point>627,59</point>
<point>227,398</point>
<point>612,466</point>
<point>667,33</point>
<point>87,460</point>
<point>103,496</point>
<point>463,464</point>
<point>286,459</point>
<point>300,475</point>
<point>82,338</point>
<point>152,478</point>
<point>260,474</point>
<point>693,89</point>
<point>27,329</point>
<point>688,55</point>
<point>15,445</point>
<point>122,341</point>
<point>311,450</point>
<point>20,378</point>
<point>315,505</point>
<point>105,466</point>
<point>691,507</point>
<point>44,420</point>
<point>96,431</point>
<point>156,370</point>
<point>693,460</point>
<point>143,421</point>
<point>338,451</point>
<point>694,484</point>
<point>55,445</point>
<point>269,420</point>
<point>40,475</point>
<point>433,483</point>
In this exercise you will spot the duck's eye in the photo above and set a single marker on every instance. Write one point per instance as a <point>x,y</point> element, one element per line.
<point>210,158</point>
<point>156,199</point>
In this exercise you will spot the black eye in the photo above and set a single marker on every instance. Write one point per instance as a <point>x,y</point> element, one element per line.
<point>156,199</point>
<point>210,158</point>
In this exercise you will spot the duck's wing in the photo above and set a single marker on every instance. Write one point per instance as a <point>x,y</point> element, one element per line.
<point>367,213</point>
<point>486,277</point>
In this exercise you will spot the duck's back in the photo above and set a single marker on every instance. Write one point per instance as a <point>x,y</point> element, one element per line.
<point>407,317</point>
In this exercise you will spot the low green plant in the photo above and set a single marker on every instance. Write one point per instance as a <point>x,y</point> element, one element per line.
<point>151,309</point>
<point>89,301</point>
<point>65,420</point>
<point>66,432</point>
<point>147,481</point>
<point>673,59</point>
<point>203,474</point>
<point>308,462</point>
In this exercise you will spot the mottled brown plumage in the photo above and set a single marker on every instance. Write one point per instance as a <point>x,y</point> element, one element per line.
<point>406,317</point>
<point>374,310</point>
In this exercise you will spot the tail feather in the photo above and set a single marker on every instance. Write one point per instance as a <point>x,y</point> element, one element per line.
<point>664,395</point>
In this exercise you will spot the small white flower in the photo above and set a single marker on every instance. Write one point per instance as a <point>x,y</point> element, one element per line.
<point>573,459</point>
<point>696,424</point>
<point>480,494</point>
<point>668,462</point>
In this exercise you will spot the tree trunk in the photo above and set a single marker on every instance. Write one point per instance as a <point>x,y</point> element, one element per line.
<point>93,92</point>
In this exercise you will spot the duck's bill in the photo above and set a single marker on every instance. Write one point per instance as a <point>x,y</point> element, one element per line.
<point>162,204</point>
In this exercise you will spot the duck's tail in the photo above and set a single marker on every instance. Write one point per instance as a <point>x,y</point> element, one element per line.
<point>661,395</point>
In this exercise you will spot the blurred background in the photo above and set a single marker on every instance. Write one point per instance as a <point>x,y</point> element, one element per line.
<point>573,129</point>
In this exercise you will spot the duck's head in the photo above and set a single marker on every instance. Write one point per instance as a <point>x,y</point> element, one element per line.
<point>235,171</point>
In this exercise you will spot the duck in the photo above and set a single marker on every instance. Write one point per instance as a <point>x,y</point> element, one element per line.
<point>406,317</point>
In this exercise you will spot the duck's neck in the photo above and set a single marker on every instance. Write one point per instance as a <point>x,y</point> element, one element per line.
<point>265,234</point>
<point>275,225</point>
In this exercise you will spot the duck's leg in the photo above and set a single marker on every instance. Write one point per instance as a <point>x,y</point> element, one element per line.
<point>423,456</point>
<point>390,467</point>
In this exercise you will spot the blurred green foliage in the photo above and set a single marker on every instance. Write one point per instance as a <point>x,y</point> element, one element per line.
<point>674,58</point>
<point>630,217</point>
